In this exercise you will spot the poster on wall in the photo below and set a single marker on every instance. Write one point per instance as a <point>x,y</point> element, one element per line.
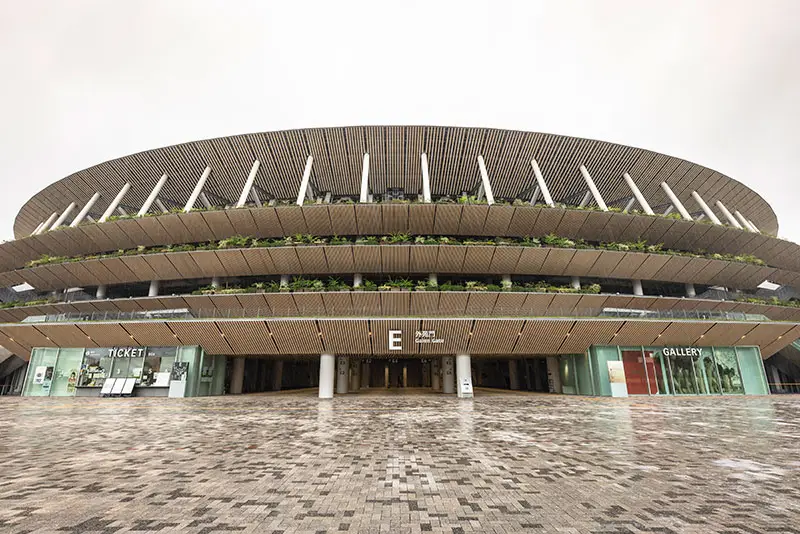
<point>38,374</point>
<point>616,377</point>
<point>177,383</point>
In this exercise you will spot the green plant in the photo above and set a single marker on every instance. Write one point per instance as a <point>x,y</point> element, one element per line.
<point>367,240</point>
<point>336,240</point>
<point>396,238</point>
<point>235,241</point>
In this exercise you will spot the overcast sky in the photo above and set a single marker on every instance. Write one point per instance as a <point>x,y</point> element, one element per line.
<point>715,82</point>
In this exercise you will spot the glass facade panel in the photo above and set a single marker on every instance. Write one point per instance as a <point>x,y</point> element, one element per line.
<point>752,367</point>
<point>40,372</point>
<point>728,370</point>
<point>684,377</point>
<point>656,372</point>
<point>65,375</point>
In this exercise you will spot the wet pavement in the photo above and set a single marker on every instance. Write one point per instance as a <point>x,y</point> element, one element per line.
<point>290,463</point>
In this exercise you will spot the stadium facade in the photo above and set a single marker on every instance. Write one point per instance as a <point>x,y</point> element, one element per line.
<point>356,259</point>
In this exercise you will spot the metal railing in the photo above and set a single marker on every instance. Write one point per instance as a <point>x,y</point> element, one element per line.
<point>372,312</point>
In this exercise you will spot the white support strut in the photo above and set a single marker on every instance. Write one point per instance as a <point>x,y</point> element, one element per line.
<point>710,214</point>
<point>593,188</point>
<point>426,179</point>
<point>304,189</point>
<point>196,193</point>
<point>152,197</point>
<point>365,180</point>
<point>675,201</point>
<point>744,222</point>
<point>63,216</point>
<point>85,211</point>
<point>46,224</point>
<point>248,184</point>
<point>540,182</point>
<point>731,219</point>
<point>487,187</point>
<point>114,203</point>
<point>638,194</point>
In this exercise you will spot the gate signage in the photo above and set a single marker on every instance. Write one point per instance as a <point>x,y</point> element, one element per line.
<point>421,337</point>
<point>682,351</point>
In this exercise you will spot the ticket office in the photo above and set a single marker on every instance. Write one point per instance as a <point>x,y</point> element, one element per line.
<point>184,371</point>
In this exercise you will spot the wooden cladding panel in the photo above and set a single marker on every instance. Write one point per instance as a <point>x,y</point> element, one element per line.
<point>450,258</point>
<point>634,333</point>
<point>368,219</point>
<point>395,218</point>
<point>778,344</point>
<point>542,336</point>
<point>291,220</point>
<point>343,219</point>
<point>455,334</point>
<point>395,259</point>
<point>523,221</point>
<point>203,333</point>
<point>318,220</point>
<point>248,337</point>
<point>27,335</point>
<point>312,260</point>
<point>447,219</point>
<point>367,258</point>
<point>724,334</point>
<point>420,218</point>
<point>380,335</point>
<point>107,334</point>
<point>587,333</point>
<point>679,332</point>
<point>66,335</point>
<point>494,336</point>
<point>764,334</point>
<point>347,337</point>
<point>497,220</point>
<point>285,260</point>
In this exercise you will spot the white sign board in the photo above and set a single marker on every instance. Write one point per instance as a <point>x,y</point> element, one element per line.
<point>465,387</point>
<point>616,377</point>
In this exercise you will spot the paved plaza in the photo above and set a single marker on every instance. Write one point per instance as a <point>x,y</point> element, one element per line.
<point>290,463</point>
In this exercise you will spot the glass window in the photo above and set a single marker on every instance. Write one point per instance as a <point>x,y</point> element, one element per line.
<point>40,372</point>
<point>707,373</point>
<point>684,376</point>
<point>119,368</point>
<point>658,371</point>
<point>728,370</point>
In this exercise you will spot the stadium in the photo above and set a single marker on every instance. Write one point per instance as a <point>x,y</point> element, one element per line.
<point>419,259</point>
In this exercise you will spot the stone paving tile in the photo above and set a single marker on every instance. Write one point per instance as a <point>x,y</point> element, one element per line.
<point>292,464</point>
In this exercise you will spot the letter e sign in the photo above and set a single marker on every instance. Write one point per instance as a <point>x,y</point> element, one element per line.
<point>395,340</point>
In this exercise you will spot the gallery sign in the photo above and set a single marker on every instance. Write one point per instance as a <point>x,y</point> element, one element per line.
<point>682,351</point>
<point>421,337</point>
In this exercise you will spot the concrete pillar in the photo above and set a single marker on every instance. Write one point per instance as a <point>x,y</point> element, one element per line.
<point>487,186</point>
<point>426,374</point>
<point>702,203</point>
<point>426,179</point>
<point>776,379</point>
<point>342,374</point>
<point>114,203</point>
<point>386,375</point>
<point>197,189</point>
<point>100,294</point>
<point>68,210</point>
<point>513,374</point>
<point>690,292</point>
<point>327,363</point>
<point>637,287</point>
<point>576,282</point>
<point>537,172</point>
<point>248,184</point>
<point>733,222</point>
<point>154,285</point>
<point>152,197</point>
<point>638,194</point>
<point>365,180</point>
<point>433,279</point>
<point>593,188</point>
<point>355,376</point>
<point>216,282</point>
<point>405,375</point>
<point>505,281</point>
<point>553,375</point>
<point>237,376</point>
<point>277,375</point>
<point>448,375</point>
<point>46,226</point>
<point>463,376</point>
<point>675,201</point>
<point>85,211</point>
<point>284,280</point>
<point>358,280</point>
<point>436,378</point>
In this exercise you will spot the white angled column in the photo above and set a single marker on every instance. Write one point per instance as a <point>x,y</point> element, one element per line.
<point>629,205</point>
<point>342,374</point>
<point>305,191</point>
<point>585,200</point>
<point>675,202</point>
<point>426,178</point>
<point>710,214</point>
<point>46,225</point>
<point>487,187</point>
<point>448,375</point>
<point>575,281</point>
<point>463,376</point>
<point>365,180</point>
<point>65,214</point>
<point>739,216</point>
<point>593,188</point>
<point>115,203</point>
<point>358,280</point>
<point>85,211</point>
<point>152,197</point>
<point>690,291</point>
<point>754,226</point>
<point>248,184</point>
<point>327,373</point>
<point>38,227</point>
<point>154,287</point>
<point>197,189</point>
<point>535,195</point>
<point>540,182</point>
<point>100,293</point>
<point>733,222</point>
<point>638,194</point>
